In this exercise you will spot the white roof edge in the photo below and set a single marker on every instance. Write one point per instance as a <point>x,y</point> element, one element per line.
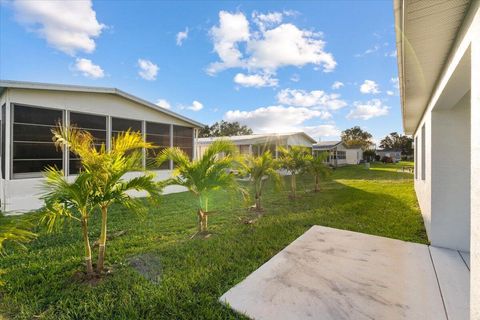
<point>259,135</point>
<point>78,88</point>
<point>398,7</point>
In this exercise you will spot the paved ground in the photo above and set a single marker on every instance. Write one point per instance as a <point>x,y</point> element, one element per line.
<point>335,274</point>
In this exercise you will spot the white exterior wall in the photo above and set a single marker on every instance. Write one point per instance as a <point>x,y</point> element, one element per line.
<point>450,176</point>
<point>354,156</point>
<point>475,172</point>
<point>20,195</point>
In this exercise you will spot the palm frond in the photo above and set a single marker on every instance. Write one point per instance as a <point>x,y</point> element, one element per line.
<point>15,231</point>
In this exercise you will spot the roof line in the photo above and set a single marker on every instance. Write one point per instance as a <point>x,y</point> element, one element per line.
<point>109,90</point>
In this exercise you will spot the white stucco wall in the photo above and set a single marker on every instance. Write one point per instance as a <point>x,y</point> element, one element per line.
<point>475,172</point>
<point>450,176</point>
<point>354,156</point>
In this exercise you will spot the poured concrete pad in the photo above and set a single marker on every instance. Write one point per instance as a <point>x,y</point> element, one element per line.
<point>336,274</point>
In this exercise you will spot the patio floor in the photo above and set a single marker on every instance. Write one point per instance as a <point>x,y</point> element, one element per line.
<point>336,274</point>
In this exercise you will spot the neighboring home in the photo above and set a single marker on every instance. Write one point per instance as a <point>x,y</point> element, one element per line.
<point>396,155</point>
<point>256,144</point>
<point>30,110</point>
<point>338,153</point>
<point>439,76</point>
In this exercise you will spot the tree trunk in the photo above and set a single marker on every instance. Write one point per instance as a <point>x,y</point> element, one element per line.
<point>202,221</point>
<point>317,184</point>
<point>88,250</point>
<point>258,204</point>
<point>294,186</point>
<point>102,241</point>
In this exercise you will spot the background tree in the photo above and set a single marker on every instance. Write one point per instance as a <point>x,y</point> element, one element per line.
<point>294,161</point>
<point>203,175</point>
<point>395,141</point>
<point>357,137</point>
<point>259,169</point>
<point>107,169</point>
<point>224,129</point>
<point>317,167</point>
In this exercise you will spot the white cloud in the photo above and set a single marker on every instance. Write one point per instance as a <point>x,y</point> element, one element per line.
<point>265,20</point>
<point>255,80</point>
<point>196,106</point>
<point>369,86</point>
<point>322,131</point>
<point>390,92</point>
<point>337,85</point>
<point>395,83</point>
<point>392,54</point>
<point>295,77</point>
<point>287,45</point>
<point>373,49</point>
<point>164,104</point>
<point>181,36</point>
<point>233,28</point>
<point>148,69</point>
<point>367,110</point>
<point>273,46</point>
<point>88,69</point>
<point>315,98</point>
<point>68,26</point>
<point>275,118</point>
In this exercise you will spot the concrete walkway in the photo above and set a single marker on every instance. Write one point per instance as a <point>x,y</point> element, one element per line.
<point>336,274</point>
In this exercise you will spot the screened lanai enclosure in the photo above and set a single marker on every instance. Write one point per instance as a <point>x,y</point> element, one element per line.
<point>29,111</point>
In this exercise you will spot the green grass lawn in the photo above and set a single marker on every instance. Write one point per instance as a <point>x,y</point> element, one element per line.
<point>40,281</point>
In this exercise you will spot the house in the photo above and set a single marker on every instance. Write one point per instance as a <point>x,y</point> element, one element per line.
<point>338,152</point>
<point>30,110</point>
<point>396,155</point>
<point>255,144</point>
<point>439,78</point>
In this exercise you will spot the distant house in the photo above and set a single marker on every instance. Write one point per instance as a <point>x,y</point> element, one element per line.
<point>396,155</point>
<point>338,153</point>
<point>256,144</point>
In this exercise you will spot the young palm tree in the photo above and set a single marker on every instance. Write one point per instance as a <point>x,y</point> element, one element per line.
<point>317,168</point>
<point>258,169</point>
<point>69,200</point>
<point>293,160</point>
<point>107,169</point>
<point>201,176</point>
<point>15,231</point>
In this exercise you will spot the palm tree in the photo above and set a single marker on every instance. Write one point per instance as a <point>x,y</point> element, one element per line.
<point>201,176</point>
<point>317,168</point>
<point>258,169</point>
<point>107,169</point>
<point>69,200</point>
<point>15,231</point>
<point>293,160</point>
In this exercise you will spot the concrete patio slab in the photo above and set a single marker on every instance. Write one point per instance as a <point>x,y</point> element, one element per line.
<point>454,281</point>
<point>335,274</point>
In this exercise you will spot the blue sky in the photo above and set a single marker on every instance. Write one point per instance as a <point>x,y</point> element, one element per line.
<point>270,65</point>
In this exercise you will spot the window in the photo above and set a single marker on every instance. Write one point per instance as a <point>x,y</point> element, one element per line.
<point>423,152</point>
<point>121,125</point>
<point>33,148</point>
<point>416,158</point>
<point>96,125</point>
<point>183,138</point>
<point>159,135</point>
<point>341,155</point>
